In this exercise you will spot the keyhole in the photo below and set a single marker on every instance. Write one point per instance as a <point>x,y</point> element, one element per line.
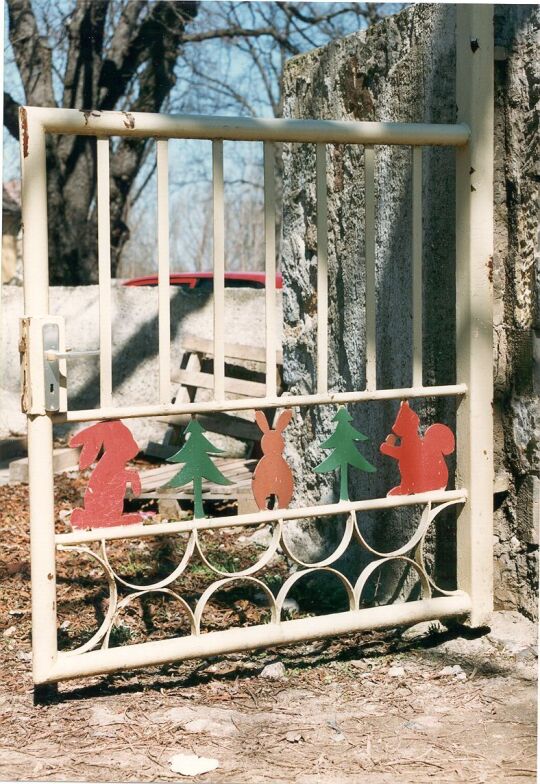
<point>51,388</point>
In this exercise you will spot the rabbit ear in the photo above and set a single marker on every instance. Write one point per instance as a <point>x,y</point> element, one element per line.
<point>284,419</point>
<point>262,421</point>
<point>91,440</point>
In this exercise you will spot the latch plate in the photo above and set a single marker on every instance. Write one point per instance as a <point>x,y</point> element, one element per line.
<point>51,369</point>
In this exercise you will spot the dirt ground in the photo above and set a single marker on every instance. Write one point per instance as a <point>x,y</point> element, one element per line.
<point>424,705</point>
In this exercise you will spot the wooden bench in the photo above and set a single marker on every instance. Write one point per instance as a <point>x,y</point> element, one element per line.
<point>245,368</point>
<point>239,473</point>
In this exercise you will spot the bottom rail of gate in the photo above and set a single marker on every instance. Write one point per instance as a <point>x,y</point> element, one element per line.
<point>97,655</point>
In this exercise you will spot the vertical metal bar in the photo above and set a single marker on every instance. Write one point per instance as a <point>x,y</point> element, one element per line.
<point>40,431</point>
<point>164,307</point>
<point>322,270</point>
<point>371,301</point>
<point>474,247</point>
<point>417,376</point>
<point>104,267</point>
<point>219,270</point>
<point>270,267</point>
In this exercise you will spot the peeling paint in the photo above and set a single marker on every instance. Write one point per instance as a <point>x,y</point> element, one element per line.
<point>24,127</point>
<point>89,113</point>
<point>490,268</point>
<point>129,120</point>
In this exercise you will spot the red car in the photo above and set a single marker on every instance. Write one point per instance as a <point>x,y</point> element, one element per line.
<point>195,279</point>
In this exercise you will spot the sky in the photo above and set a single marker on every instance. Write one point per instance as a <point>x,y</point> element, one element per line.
<point>240,89</point>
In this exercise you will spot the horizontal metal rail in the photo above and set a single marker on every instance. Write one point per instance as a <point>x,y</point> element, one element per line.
<point>252,637</point>
<point>185,126</point>
<point>147,410</point>
<point>256,518</point>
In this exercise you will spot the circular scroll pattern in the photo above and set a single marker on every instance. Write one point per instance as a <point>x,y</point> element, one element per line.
<point>410,553</point>
<point>127,600</point>
<point>337,553</point>
<point>106,624</point>
<point>374,565</point>
<point>418,535</point>
<point>290,581</point>
<point>263,561</point>
<point>161,583</point>
<point>216,586</point>
<point>419,554</point>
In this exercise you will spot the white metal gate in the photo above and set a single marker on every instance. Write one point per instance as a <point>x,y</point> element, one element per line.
<point>45,401</point>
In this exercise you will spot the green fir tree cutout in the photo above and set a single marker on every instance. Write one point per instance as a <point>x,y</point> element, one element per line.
<point>197,464</point>
<point>345,453</point>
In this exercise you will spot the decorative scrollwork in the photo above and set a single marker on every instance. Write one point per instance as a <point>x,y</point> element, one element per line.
<point>161,583</point>
<point>419,551</point>
<point>337,553</point>
<point>411,553</point>
<point>263,561</point>
<point>106,624</point>
<point>290,581</point>
<point>374,565</point>
<point>127,600</point>
<point>216,586</point>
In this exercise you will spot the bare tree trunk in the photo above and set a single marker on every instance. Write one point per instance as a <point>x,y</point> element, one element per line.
<point>143,48</point>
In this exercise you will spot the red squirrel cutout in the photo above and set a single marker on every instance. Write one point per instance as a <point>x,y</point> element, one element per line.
<point>104,496</point>
<point>420,460</point>
<point>272,475</point>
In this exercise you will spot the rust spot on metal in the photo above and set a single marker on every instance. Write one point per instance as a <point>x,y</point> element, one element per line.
<point>89,113</point>
<point>129,120</point>
<point>490,268</point>
<point>24,127</point>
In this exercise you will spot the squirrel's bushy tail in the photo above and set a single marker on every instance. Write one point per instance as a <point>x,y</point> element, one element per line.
<point>440,437</point>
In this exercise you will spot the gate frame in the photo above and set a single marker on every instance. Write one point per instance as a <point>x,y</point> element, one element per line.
<point>473,137</point>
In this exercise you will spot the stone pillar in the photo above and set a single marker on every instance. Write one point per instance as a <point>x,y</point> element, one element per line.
<point>402,69</point>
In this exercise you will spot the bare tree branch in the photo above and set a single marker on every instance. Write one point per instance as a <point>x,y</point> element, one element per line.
<point>32,55</point>
<point>11,115</point>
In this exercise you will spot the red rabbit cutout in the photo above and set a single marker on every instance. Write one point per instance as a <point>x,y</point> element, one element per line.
<point>104,496</point>
<point>272,475</point>
<point>420,460</point>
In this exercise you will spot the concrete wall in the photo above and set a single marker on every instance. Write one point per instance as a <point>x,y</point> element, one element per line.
<point>135,343</point>
<point>403,70</point>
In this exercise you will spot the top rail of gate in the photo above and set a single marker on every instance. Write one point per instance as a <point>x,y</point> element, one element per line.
<point>37,122</point>
<point>185,126</point>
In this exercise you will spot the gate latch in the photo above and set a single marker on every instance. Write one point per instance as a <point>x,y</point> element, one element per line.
<point>51,364</point>
<point>43,364</point>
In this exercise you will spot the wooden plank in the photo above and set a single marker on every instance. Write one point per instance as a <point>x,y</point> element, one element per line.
<point>222,423</point>
<point>210,490</point>
<point>232,350</point>
<point>64,459</point>
<point>237,386</point>
<point>154,477</point>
